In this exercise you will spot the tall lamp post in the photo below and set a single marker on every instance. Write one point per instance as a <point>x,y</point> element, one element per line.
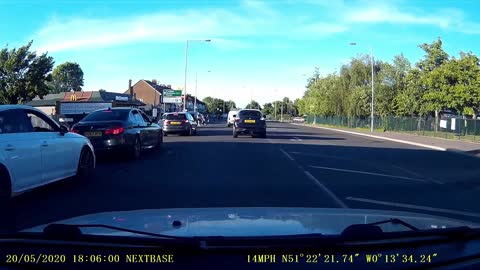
<point>372,109</point>
<point>195,104</point>
<point>186,64</point>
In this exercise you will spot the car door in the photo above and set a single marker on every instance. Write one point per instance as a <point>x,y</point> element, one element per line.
<point>141,128</point>
<point>20,149</point>
<point>60,153</point>
<point>152,130</point>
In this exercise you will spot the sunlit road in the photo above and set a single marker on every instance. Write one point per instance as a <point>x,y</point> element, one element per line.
<point>295,166</point>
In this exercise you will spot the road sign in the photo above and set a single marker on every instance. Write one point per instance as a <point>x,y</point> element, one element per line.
<point>172,96</point>
<point>172,99</point>
<point>172,93</point>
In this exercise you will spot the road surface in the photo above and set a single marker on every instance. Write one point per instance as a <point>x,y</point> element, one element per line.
<point>295,166</point>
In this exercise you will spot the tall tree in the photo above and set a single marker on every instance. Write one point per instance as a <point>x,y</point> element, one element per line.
<point>23,74</point>
<point>431,76</point>
<point>253,105</point>
<point>268,109</point>
<point>66,77</point>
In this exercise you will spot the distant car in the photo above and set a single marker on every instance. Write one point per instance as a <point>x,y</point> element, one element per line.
<point>120,129</point>
<point>230,118</point>
<point>35,151</point>
<point>179,123</point>
<point>298,120</point>
<point>249,122</point>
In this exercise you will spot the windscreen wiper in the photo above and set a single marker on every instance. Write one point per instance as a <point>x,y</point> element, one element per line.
<point>68,231</point>
<point>395,221</point>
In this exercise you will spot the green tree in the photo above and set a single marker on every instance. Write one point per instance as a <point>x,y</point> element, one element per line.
<point>66,77</point>
<point>268,109</point>
<point>23,74</point>
<point>431,78</point>
<point>253,105</point>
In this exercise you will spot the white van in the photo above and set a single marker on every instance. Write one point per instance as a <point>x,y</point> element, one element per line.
<point>230,118</point>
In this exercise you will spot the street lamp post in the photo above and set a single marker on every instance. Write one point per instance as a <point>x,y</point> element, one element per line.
<point>186,64</point>
<point>372,109</point>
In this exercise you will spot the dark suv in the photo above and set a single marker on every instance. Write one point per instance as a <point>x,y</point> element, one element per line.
<point>180,123</point>
<point>249,122</point>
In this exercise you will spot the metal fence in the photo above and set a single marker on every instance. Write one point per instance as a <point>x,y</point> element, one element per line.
<point>448,128</point>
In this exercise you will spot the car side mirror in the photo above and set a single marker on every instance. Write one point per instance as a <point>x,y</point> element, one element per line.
<point>63,130</point>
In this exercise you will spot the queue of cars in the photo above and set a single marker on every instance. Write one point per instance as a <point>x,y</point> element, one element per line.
<point>35,150</point>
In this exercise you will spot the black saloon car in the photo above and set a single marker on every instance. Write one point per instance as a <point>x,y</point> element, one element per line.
<point>249,122</point>
<point>125,129</point>
<point>179,123</point>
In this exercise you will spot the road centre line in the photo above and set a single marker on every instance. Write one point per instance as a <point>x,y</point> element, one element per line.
<point>326,190</point>
<point>413,206</point>
<point>287,154</point>
<point>332,195</point>
<point>368,173</point>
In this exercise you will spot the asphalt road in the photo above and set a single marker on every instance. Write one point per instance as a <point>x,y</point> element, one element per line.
<point>295,166</point>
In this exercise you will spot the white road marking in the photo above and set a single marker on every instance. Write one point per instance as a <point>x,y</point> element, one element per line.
<point>316,181</point>
<point>412,206</point>
<point>369,173</point>
<point>384,138</point>
<point>418,175</point>
<point>326,190</point>
<point>287,154</point>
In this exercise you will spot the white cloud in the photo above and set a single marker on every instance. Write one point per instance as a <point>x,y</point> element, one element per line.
<point>392,15</point>
<point>323,29</point>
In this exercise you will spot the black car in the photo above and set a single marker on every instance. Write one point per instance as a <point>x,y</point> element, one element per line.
<point>249,122</point>
<point>179,123</point>
<point>126,129</point>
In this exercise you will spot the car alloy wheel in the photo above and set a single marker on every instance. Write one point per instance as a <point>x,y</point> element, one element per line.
<point>136,150</point>
<point>86,164</point>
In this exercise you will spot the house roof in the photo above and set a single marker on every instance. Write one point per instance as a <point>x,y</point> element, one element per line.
<point>87,96</point>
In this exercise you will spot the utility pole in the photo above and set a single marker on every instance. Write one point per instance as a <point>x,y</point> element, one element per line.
<point>281,116</point>
<point>195,104</point>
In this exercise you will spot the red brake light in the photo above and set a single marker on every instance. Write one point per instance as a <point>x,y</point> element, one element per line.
<point>74,131</point>
<point>166,122</point>
<point>114,131</point>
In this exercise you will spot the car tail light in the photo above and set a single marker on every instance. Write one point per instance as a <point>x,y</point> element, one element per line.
<point>74,131</point>
<point>237,119</point>
<point>185,121</point>
<point>114,131</point>
<point>165,122</point>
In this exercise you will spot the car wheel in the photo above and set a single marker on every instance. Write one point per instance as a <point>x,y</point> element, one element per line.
<point>159,140</point>
<point>5,185</point>
<point>165,134</point>
<point>136,150</point>
<point>86,165</point>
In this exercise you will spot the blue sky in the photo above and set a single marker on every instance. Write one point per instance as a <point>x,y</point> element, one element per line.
<point>259,48</point>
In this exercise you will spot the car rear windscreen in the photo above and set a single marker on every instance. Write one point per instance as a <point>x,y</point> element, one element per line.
<point>256,114</point>
<point>106,115</point>
<point>175,117</point>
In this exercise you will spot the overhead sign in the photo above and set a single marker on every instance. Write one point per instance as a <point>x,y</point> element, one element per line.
<point>172,93</point>
<point>82,107</point>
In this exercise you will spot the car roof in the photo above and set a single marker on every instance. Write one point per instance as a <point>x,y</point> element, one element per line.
<point>251,110</point>
<point>17,106</point>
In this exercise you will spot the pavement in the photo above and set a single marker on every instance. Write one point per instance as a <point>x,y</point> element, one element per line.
<point>465,147</point>
<point>296,166</point>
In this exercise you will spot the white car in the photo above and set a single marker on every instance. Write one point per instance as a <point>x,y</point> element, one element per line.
<point>35,151</point>
<point>230,118</point>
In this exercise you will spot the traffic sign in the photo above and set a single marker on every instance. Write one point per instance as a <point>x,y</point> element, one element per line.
<point>172,93</point>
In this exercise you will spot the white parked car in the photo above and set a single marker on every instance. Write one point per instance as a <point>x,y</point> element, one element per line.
<point>35,151</point>
<point>298,120</point>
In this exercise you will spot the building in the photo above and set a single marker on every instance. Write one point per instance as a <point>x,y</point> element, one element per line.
<point>75,105</point>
